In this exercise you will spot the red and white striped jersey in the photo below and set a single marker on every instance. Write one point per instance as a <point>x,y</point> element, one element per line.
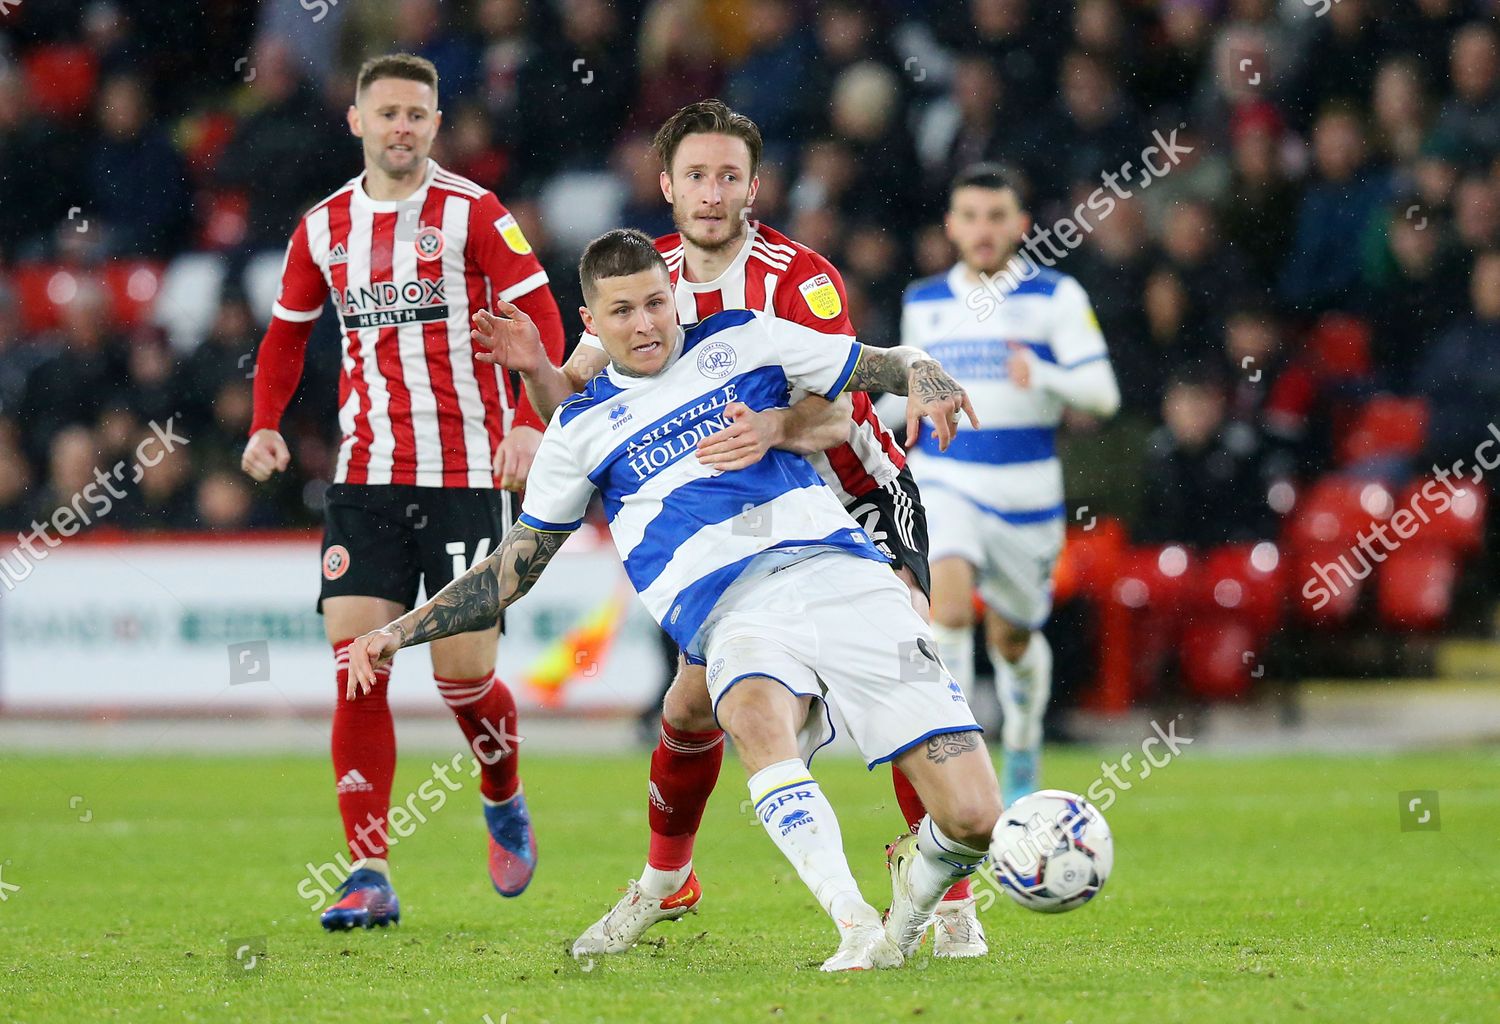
<point>775,275</point>
<point>415,406</point>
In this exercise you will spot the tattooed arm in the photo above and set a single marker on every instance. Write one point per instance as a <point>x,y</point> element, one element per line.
<point>473,601</point>
<point>929,390</point>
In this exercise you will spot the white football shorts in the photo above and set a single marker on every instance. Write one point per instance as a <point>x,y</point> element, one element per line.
<point>841,629</point>
<point>1013,562</point>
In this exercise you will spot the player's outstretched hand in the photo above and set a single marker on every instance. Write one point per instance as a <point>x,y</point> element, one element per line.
<point>510,340</point>
<point>932,393</point>
<point>266,453</point>
<point>743,443</point>
<point>366,654</point>
<point>515,454</point>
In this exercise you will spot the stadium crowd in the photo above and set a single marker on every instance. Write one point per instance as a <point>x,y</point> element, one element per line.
<point>1328,229</point>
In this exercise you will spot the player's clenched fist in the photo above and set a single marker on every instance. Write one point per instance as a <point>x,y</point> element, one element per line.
<point>511,338</point>
<point>266,453</point>
<point>366,654</point>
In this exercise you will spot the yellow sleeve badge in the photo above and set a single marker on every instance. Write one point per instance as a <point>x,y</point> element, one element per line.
<point>821,297</point>
<point>511,232</point>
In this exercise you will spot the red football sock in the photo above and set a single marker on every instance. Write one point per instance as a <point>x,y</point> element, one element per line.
<point>486,712</point>
<point>684,768</point>
<point>914,811</point>
<point>364,759</point>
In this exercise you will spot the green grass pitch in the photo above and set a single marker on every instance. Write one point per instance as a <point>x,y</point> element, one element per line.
<point>1245,889</point>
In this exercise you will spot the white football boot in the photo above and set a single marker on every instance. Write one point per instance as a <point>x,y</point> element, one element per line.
<point>628,920</point>
<point>902,924</point>
<point>864,947</point>
<point>957,932</point>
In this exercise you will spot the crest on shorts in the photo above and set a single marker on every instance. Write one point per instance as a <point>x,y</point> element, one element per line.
<point>716,359</point>
<point>429,242</point>
<point>335,562</point>
<point>821,296</point>
<point>513,235</point>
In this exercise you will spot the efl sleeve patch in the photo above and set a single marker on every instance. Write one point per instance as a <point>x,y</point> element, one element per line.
<point>821,297</point>
<point>513,235</point>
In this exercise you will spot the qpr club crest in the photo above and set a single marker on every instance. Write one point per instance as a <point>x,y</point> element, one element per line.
<point>716,359</point>
<point>429,242</point>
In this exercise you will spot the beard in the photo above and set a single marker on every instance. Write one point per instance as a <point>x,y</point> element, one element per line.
<point>684,223</point>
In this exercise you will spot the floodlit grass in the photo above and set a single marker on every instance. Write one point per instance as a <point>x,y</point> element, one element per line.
<point>1260,889</point>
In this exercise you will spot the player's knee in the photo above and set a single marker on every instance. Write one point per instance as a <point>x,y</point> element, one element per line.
<point>1011,641</point>
<point>757,711</point>
<point>952,614</point>
<point>971,820</point>
<point>687,706</point>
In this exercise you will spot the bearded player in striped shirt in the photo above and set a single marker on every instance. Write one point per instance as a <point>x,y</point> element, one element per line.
<point>408,251</point>
<point>721,260</point>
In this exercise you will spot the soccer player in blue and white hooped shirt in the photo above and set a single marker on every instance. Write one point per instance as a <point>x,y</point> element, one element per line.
<point>760,571</point>
<point>1025,344</point>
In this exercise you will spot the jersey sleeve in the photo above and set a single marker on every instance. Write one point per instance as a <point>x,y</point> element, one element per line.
<point>500,249</point>
<point>1076,337</point>
<point>816,362</point>
<point>303,286</point>
<point>557,490</point>
<point>812,294</point>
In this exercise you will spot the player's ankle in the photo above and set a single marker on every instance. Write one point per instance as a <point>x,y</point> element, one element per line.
<point>376,864</point>
<point>659,883</point>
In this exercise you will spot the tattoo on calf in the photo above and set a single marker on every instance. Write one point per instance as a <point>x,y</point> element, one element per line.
<point>950,745</point>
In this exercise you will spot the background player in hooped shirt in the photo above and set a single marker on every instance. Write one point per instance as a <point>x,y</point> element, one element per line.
<point>1024,351</point>
<point>407,251</point>
<point>721,260</point>
<point>761,572</point>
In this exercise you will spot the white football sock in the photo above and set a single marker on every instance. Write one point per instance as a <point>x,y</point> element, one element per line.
<point>1024,687</point>
<point>956,648</point>
<point>374,864</point>
<point>659,883</point>
<point>800,821</point>
<point>940,862</point>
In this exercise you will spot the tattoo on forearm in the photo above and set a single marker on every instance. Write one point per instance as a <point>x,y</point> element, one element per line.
<point>950,745</point>
<point>884,370</point>
<point>476,599</point>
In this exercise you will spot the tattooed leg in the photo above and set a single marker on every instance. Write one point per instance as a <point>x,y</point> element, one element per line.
<point>955,778</point>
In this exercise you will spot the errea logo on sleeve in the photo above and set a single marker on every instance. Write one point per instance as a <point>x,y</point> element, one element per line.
<point>821,297</point>
<point>511,232</point>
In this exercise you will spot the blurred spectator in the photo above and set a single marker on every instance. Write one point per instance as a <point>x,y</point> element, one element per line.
<point>637,164</point>
<point>677,65</point>
<point>1091,129</point>
<point>289,153</point>
<point>1333,214</point>
<point>1197,461</point>
<point>1256,211</point>
<point>1401,111</point>
<point>15,480</point>
<point>84,364</point>
<point>419,29</point>
<point>506,48</point>
<point>1460,374</point>
<point>40,159</point>
<point>575,91</point>
<point>973,123</point>
<point>1341,61</point>
<point>137,182</point>
<point>767,85</point>
<point>865,112</point>
<point>1416,287</point>
<point>466,146</point>
<point>1469,121</point>
<point>223,502</point>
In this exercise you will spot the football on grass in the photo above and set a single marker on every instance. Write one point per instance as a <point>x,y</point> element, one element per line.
<point>1051,851</point>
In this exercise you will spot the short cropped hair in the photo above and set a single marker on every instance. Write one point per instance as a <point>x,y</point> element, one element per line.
<point>710,117</point>
<point>617,253</point>
<point>397,65</point>
<point>992,176</point>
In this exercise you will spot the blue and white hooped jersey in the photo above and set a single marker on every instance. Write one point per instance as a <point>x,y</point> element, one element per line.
<point>1008,466</point>
<point>685,531</point>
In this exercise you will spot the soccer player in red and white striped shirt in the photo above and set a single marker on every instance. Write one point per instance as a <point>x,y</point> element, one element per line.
<point>407,250</point>
<point>719,259</point>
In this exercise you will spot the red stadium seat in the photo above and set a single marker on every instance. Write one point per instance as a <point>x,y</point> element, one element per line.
<point>1340,346</point>
<point>1415,587</point>
<point>1243,581</point>
<point>1459,527</point>
<point>1220,658</point>
<point>60,78</point>
<point>1324,590</point>
<point>1335,508</point>
<point>1387,427</point>
<point>223,219</point>
<point>133,286</point>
